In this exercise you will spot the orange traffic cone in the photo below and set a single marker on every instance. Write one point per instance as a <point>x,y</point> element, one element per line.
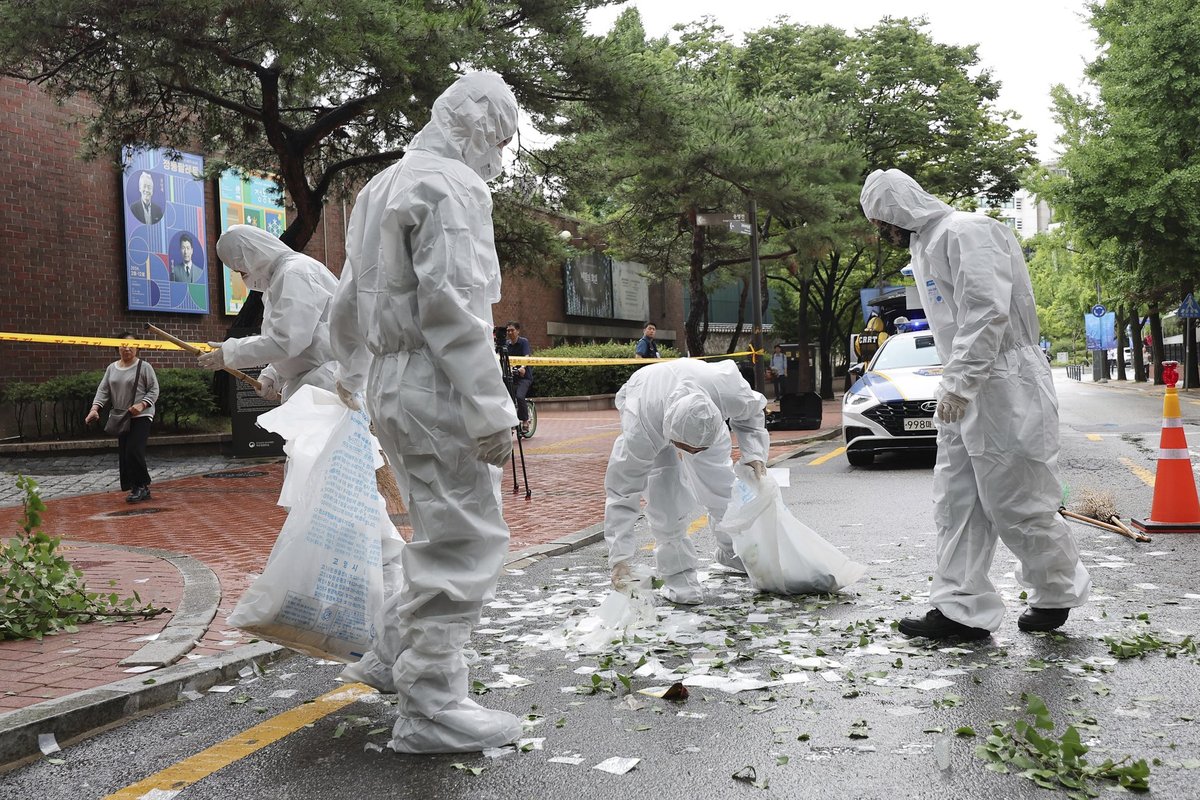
<point>1176,508</point>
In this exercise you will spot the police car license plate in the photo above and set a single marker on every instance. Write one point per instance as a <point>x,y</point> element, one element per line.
<point>921,424</point>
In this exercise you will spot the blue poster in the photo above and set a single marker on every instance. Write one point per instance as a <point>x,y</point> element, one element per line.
<point>165,232</point>
<point>1100,332</point>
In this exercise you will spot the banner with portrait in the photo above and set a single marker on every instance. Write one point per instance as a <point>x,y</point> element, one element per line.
<point>247,199</point>
<point>587,282</point>
<point>631,291</point>
<point>165,231</point>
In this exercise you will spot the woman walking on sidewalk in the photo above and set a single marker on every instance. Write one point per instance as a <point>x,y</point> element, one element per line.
<point>129,384</point>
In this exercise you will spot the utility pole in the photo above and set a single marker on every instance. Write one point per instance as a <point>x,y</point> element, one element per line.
<point>756,336</point>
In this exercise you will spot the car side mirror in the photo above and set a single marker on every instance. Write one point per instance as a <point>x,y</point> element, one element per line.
<point>856,370</point>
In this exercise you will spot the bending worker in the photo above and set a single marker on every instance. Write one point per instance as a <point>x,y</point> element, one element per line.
<point>997,446</point>
<point>412,323</point>
<point>297,293</point>
<point>674,447</point>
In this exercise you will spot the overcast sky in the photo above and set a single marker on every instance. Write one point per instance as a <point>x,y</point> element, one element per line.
<point>1029,45</point>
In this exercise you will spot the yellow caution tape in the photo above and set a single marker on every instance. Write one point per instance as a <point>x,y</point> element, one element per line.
<point>95,341</point>
<point>517,361</point>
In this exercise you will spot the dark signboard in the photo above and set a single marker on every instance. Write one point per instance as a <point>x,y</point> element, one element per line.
<point>249,440</point>
<point>587,281</point>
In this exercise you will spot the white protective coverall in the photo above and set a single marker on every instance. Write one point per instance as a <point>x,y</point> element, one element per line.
<point>997,468</point>
<point>297,293</point>
<point>668,401</point>
<point>412,320</point>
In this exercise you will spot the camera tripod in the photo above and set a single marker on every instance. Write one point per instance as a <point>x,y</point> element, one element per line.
<point>500,335</point>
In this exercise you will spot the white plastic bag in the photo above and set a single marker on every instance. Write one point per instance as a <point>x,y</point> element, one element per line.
<point>305,422</point>
<point>322,585</point>
<point>780,553</point>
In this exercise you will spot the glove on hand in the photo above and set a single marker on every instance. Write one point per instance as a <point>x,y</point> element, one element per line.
<point>267,389</point>
<point>951,407</point>
<point>347,397</point>
<point>495,448</point>
<point>214,359</point>
<point>760,469</point>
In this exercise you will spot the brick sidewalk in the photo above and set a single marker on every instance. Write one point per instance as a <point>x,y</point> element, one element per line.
<point>230,524</point>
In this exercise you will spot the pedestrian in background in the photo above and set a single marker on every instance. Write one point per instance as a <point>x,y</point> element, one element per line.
<point>778,370</point>
<point>130,384</point>
<point>646,346</point>
<point>997,444</point>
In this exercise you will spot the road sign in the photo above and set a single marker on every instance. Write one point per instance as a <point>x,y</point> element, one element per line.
<point>1098,310</point>
<point>713,219</point>
<point>1189,309</point>
<point>740,227</point>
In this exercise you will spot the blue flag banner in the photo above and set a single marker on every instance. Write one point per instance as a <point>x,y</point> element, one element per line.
<point>1100,332</point>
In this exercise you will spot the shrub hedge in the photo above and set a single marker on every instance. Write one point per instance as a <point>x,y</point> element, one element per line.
<point>185,395</point>
<point>576,381</point>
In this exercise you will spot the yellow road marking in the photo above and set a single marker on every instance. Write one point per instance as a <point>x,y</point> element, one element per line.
<point>1094,437</point>
<point>819,460</point>
<point>192,770</point>
<point>1137,469</point>
<point>560,445</point>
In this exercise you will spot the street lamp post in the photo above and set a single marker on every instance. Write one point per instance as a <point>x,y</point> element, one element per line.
<point>756,336</point>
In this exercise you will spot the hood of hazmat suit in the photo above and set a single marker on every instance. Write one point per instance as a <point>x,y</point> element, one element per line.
<point>297,293</point>
<point>412,324</point>
<point>692,418</point>
<point>997,468</point>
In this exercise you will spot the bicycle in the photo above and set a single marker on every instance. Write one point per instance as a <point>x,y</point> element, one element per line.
<point>528,433</point>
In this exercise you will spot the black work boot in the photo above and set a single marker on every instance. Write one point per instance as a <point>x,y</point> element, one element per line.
<point>1042,619</point>
<point>936,625</point>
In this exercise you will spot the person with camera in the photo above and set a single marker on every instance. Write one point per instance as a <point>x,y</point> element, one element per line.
<point>522,377</point>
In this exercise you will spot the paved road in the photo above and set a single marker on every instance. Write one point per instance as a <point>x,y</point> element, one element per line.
<point>878,720</point>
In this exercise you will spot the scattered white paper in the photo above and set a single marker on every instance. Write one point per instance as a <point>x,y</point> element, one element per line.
<point>148,638</point>
<point>47,743</point>
<point>754,618</point>
<point>904,711</point>
<point>731,685</point>
<point>574,761</point>
<point>933,684</point>
<point>143,668</point>
<point>506,680</point>
<point>616,765</point>
<point>284,693</point>
<point>691,715</point>
<point>531,744</point>
<point>141,580</point>
<point>831,676</point>
<point>190,694</point>
<point>221,689</point>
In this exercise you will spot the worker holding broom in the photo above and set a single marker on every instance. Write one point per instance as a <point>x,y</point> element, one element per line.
<point>297,292</point>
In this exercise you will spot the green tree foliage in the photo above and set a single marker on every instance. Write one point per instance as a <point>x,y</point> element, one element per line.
<point>697,141</point>
<point>321,94</point>
<point>909,103</point>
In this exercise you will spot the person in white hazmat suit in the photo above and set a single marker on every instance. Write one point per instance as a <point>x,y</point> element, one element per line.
<point>297,293</point>
<point>412,323</point>
<point>997,462</point>
<point>674,447</point>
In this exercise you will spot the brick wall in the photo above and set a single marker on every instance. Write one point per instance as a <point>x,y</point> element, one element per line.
<point>63,264</point>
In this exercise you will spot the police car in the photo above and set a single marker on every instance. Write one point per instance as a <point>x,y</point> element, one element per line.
<point>891,406</point>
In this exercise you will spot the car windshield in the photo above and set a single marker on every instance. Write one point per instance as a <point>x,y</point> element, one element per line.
<point>905,352</point>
